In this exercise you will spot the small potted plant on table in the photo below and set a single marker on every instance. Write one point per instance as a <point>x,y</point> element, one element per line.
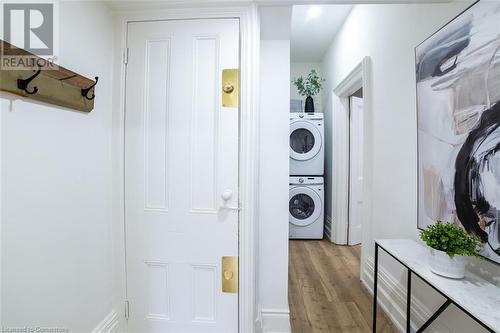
<point>308,87</point>
<point>449,245</point>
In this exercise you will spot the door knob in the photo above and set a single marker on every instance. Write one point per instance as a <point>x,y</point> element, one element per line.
<point>226,195</point>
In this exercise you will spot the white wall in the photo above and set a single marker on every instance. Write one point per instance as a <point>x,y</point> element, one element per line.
<point>302,69</point>
<point>388,35</point>
<point>56,191</point>
<point>273,198</point>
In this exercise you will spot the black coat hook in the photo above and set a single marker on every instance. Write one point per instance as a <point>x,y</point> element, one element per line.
<point>23,84</point>
<point>86,91</point>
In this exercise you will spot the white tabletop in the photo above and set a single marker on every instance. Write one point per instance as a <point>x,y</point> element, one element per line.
<point>476,295</point>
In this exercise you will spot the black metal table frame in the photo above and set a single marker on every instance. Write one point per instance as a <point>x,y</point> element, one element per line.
<point>408,298</point>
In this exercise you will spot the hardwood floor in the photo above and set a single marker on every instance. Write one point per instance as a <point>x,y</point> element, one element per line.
<point>325,293</point>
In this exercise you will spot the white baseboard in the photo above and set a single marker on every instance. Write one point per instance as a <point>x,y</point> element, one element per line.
<point>108,324</point>
<point>392,299</point>
<point>275,320</point>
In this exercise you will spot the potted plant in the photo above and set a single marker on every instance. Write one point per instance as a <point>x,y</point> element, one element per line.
<point>449,245</point>
<point>309,87</point>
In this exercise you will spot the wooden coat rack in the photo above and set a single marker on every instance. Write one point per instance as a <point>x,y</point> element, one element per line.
<point>58,86</point>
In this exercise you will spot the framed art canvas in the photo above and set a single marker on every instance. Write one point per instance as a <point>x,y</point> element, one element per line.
<point>458,112</point>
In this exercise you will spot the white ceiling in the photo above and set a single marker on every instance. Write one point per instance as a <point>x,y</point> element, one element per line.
<point>313,29</point>
<point>121,4</point>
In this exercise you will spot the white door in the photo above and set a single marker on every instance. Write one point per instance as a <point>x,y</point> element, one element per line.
<point>181,156</point>
<point>355,170</point>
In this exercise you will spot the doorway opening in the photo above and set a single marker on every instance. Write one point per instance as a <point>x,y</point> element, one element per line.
<point>326,198</point>
<point>355,142</point>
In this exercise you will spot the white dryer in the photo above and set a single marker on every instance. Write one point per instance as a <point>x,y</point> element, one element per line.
<point>307,147</point>
<point>305,207</point>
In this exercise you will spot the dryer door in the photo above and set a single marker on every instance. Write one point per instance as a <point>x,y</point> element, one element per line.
<point>304,206</point>
<point>305,140</point>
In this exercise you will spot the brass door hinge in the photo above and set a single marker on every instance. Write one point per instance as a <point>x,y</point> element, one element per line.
<point>231,88</point>
<point>230,274</point>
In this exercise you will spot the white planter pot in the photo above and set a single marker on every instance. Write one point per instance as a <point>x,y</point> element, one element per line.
<point>443,265</point>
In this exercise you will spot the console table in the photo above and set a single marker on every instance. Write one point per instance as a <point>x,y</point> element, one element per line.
<point>473,295</point>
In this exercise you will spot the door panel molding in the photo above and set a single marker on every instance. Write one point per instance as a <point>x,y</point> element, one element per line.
<point>203,159</point>
<point>161,270</point>
<point>248,147</point>
<point>210,278</point>
<point>154,120</point>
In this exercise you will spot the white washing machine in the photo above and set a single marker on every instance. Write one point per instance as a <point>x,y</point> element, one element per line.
<point>307,146</point>
<point>305,208</point>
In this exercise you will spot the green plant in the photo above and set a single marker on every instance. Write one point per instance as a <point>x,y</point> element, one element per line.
<point>309,86</point>
<point>451,239</point>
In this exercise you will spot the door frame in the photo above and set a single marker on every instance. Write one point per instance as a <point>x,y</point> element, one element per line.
<point>358,77</point>
<point>248,144</point>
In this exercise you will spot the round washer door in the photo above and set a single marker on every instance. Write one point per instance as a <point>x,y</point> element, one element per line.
<point>304,206</point>
<point>305,140</point>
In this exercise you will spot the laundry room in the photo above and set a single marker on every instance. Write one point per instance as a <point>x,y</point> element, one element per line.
<point>313,139</point>
<point>325,126</point>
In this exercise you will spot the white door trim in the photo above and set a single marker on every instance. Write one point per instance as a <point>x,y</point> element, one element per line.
<point>248,147</point>
<point>358,78</point>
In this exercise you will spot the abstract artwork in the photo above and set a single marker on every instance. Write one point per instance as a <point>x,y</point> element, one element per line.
<point>458,94</point>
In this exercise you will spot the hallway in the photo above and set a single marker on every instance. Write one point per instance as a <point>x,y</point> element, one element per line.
<point>325,293</point>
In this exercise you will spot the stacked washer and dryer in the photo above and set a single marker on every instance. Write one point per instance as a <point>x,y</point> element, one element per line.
<point>307,151</point>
